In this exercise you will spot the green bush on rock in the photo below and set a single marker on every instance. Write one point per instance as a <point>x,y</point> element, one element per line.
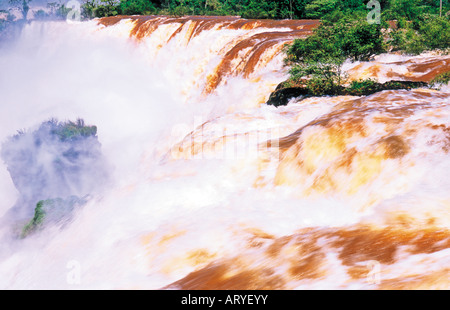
<point>425,33</point>
<point>57,159</point>
<point>51,211</point>
<point>440,79</point>
<point>73,130</point>
<point>318,59</point>
<point>288,90</point>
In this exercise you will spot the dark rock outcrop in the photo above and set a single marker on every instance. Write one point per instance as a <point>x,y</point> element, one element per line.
<point>285,92</point>
<point>51,211</point>
<point>58,159</point>
<point>282,95</point>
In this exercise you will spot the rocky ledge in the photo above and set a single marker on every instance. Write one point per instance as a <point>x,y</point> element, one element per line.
<point>285,91</point>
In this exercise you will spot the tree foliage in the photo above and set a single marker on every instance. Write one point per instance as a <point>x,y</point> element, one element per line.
<point>51,211</point>
<point>429,32</point>
<point>274,9</point>
<point>317,60</point>
<point>134,7</point>
<point>23,6</point>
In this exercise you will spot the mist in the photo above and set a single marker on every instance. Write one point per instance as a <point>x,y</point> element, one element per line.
<point>156,180</point>
<point>55,71</point>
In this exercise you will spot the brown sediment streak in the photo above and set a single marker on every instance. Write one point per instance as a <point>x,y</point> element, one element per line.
<point>446,130</point>
<point>192,28</point>
<point>180,28</point>
<point>256,45</point>
<point>143,25</point>
<point>433,280</point>
<point>208,22</point>
<point>196,25</point>
<point>112,20</point>
<point>423,71</point>
<point>227,276</point>
<point>211,22</point>
<point>392,107</point>
<point>303,256</point>
<point>200,24</point>
<point>292,24</point>
<point>395,146</point>
<point>278,32</point>
<point>319,156</point>
<point>382,245</point>
<point>418,69</point>
<point>258,51</point>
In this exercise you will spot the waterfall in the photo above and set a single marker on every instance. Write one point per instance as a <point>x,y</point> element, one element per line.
<point>207,187</point>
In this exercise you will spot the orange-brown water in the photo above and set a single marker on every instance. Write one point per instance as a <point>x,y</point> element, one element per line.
<point>216,190</point>
<point>238,58</point>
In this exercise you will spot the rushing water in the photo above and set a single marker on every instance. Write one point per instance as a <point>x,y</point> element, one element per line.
<point>210,188</point>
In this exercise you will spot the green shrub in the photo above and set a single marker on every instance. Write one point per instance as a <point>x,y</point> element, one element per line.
<point>318,8</point>
<point>408,41</point>
<point>106,8</point>
<point>350,37</point>
<point>56,159</point>
<point>441,79</point>
<point>319,57</point>
<point>362,87</point>
<point>135,7</point>
<point>49,211</point>
<point>361,40</point>
<point>73,130</point>
<point>318,86</point>
<point>260,9</point>
<point>38,219</point>
<point>426,33</point>
<point>436,33</point>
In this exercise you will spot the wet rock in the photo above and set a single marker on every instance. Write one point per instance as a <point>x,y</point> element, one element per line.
<point>51,211</point>
<point>285,92</point>
<point>282,95</point>
<point>58,159</point>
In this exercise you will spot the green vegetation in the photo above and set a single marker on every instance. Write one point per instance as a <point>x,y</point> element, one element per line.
<point>406,26</point>
<point>369,86</point>
<point>136,7</point>
<point>244,8</point>
<point>56,159</point>
<point>3,24</point>
<point>50,211</point>
<point>103,8</point>
<point>349,37</point>
<point>344,33</point>
<point>23,6</point>
<point>319,87</point>
<point>275,9</point>
<point>73,130</point>
<point>427,32</point>
<point>316,62</point>
<point>362,87</point>
<point>440,79</point>
<point>38,219</point>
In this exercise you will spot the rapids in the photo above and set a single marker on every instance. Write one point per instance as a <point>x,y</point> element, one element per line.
<point>209,187</point>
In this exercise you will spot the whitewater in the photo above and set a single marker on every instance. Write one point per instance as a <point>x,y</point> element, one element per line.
<point>211,188</point>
